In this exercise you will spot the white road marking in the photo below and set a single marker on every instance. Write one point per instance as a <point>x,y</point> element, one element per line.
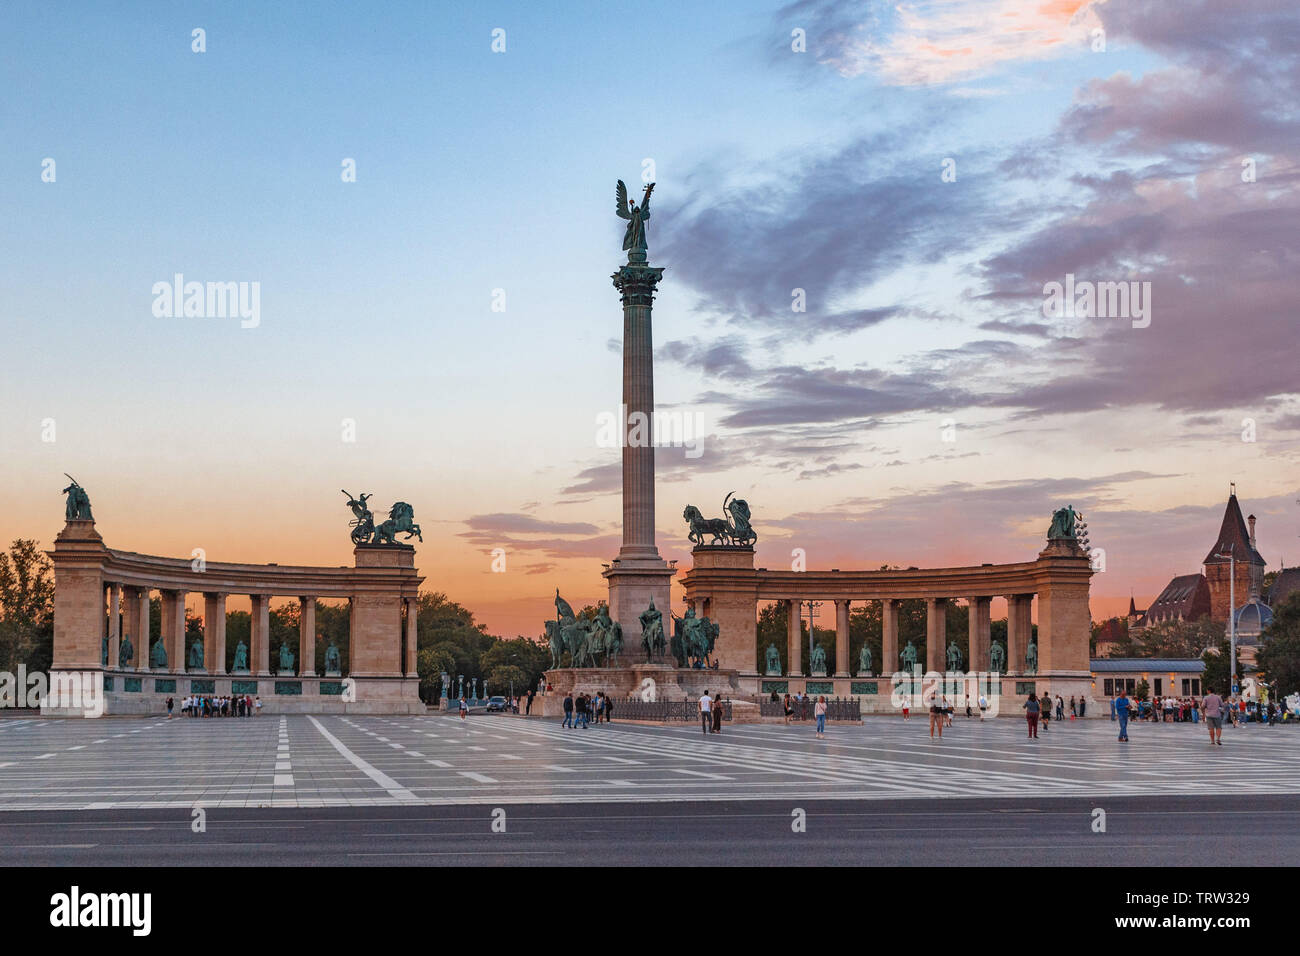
<point>394,788</point>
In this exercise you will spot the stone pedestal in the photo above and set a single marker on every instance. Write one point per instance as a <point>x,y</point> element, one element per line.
<point>632,584</point>
<point>664,681</point>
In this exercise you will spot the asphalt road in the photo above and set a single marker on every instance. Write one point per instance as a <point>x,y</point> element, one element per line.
<point>1177,830</point>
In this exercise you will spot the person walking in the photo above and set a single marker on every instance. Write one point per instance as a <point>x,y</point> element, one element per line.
<point>1073,711</point>
<point>789,708</point>
<point>984,705</point>
<point>717,715</point>
<point>1213,705</point>
<point>170,704</point>
<point>1121,713</point>
<point>582,707</point>
<point>820,711</point>
<point>1044,712</point>
<point>568,710</point>
<point>464,707</point>
<point>706,715</point>
<point>1032,711</point>
<point>528,707</point>
<point>936,716</point>
<point>1060,708</point>
<point>1081,708</point>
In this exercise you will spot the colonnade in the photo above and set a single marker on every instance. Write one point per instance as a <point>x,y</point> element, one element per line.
<point>979,639</point>
<point>128,613</point>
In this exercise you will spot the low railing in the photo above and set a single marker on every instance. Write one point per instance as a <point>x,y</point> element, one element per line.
<point>665,710</point>
<point>837,708</point>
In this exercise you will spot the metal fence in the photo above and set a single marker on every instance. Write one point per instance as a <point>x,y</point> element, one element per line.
<point>837,708</point>
<point>665,710</point>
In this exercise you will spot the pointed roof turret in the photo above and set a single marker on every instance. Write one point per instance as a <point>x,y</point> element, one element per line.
<point>1233,537</point>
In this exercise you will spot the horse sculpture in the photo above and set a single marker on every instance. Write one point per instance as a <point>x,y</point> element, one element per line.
<point>736,532</point>
<point>401,518</point>
<point>588,642</point>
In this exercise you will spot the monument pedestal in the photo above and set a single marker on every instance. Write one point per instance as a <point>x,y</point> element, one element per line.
<point>633,582</point>
<point>663,681</point>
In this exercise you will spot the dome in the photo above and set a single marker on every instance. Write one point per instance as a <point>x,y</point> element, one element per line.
<point>1252,617</point>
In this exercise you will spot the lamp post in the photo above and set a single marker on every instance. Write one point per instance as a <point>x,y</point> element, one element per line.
<point>1232,617</point>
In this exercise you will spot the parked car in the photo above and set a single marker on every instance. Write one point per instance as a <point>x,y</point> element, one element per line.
<point>496,704</point>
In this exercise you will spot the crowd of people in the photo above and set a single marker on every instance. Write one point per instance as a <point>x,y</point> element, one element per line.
<point>1236,710</point>
<point>197,705</point>
<point>586,709</point>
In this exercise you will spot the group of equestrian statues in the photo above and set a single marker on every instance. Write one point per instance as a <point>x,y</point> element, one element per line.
<point>597,640</point>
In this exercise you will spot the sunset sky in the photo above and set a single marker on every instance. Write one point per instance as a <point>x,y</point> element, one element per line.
<point>1169,157</point>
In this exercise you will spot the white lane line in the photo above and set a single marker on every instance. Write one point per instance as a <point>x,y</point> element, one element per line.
<point>396,746</point>
<point>439,763</point>
<point>476,748</point>
<point>700,773</point>
<point>43,756</point>
<point>558,769</point>
<point>414,753</point>
<point>480,777</point>
<point>616,759</point>
<point>283,780</point>
<point>394,788</point>
<point>283,765</point>
<point>78,747</point>
<point>620,783</point>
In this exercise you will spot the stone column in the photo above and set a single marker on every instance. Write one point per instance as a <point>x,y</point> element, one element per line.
<point>172,631</point>
<point>888,637</point>
<point>412,617</point>
<point>141,637</point>
<point>260,652</point>
<point>978,630</point>
<point>637,282</point>
<point>307,636</point>
<point>841,638</point>
<point>936,631</point>
<point>1018,631</point>
<point>214,633</point>
<point>794,639</point>
<point>114,622</point>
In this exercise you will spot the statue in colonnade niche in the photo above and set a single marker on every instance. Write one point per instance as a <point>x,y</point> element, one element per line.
<point>997,657</point>
<point>954,656</point>
<point>773,661</point>
<point>817,665</point>
<point>125,651</point>
<point>196,654</point>
<point>286,659</point>
<point>864,660</point>
<point>1031,658</point>
<point>908,656</point>
<point>332,665</point>
<point>241,657</point>
<point>158,655</point>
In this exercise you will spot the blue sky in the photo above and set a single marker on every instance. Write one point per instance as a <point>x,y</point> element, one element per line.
<point>479,171</point>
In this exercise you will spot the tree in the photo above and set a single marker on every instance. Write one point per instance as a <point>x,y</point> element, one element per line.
<point>1180,638</point>
<point>1217,676</point>
<point>26,608</point>
<point>1279,653</point>
<point>1142,689</point>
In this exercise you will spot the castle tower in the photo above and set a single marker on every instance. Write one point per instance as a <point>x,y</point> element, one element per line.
<point>1236,539</point>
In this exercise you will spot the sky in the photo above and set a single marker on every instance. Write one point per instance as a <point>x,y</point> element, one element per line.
<point>443,330</point>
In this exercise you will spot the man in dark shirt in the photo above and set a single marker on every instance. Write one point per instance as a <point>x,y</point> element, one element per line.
<point>568,710</point>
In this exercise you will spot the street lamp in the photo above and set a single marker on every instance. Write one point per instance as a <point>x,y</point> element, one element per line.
<point>1232,616</point>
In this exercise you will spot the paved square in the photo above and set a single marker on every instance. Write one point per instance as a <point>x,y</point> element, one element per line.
<point>306,761</point>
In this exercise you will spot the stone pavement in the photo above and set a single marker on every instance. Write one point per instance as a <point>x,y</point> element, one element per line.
<point>309,761</point>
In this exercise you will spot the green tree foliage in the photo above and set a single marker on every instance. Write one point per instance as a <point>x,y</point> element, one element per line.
<point>26,607</point>
<point>1217,676</point>
<point>1179,638</point>
<point>1279,654</point>
<point>1142,689</point>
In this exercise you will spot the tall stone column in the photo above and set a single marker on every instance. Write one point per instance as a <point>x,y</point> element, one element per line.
<point>1019,629</point>
<point>936,631</point>
<point>114,622</point>
<point>978,630</point>
<point>214,633</point>
<point>141,629</point>
<point>639,574</point>
<point>412,617</point>
<point>172,630</point>
<point>794,639</point>
<point>307,636</point>
<point>261,635</point>
<point>841,638</point>
<point>888,636</point>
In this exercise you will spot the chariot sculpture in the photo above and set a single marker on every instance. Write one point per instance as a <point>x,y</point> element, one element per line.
<point>732,531</point>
